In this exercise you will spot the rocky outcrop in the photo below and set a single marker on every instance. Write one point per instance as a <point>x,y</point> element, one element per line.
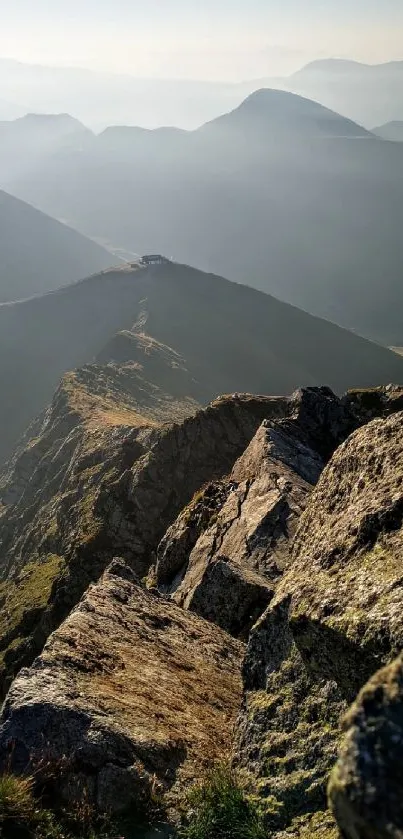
<point>130,698</point>
<point>346,583</point>
<point>334,619</point>
<point>231,572</point>
<point>367,404</point>
<point>103,475</point>
<point>176,546</point>
<point>227,594</point>
<point>365,789</point>
<point>211,562</point>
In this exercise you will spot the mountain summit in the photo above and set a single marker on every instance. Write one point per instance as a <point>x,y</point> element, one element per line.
<point>279,112</point>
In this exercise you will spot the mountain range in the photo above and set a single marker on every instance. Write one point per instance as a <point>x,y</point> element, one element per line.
<point>24,142</point>
<point>368,94</point>
<point>189,334</point>
<point>281,193</point>
<point>201,485</point>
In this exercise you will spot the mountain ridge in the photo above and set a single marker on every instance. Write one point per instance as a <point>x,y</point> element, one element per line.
<point>313,219</point>
<point>228,337</point>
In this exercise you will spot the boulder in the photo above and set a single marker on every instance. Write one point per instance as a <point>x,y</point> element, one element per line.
<point>131,698</point>
<point>366,786</point>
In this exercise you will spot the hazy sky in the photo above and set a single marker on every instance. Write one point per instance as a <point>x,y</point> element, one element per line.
<point>210,39</point>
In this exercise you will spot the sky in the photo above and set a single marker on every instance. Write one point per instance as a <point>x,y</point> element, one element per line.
<point>206,39</point>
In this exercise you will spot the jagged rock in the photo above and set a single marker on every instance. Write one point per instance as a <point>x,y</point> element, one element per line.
<point>231,572</point>
<point>229,596</point>
<point>335,618</point>
<point>324,420</point>
<point>367,404</point>
<point>180,539</point>
<point>366,786</point>
<point>131,696</point>
<point>101,477</point>
<point>253,516</point>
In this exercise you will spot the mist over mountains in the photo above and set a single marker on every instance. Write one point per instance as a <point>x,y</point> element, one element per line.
<point>201,442</point>
<point>390,131</point>
<point>368,94</point>
<point>280,193</point>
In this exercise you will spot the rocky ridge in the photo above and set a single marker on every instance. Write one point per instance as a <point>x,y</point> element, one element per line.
<point>271,521</point>
<point>231,570</point>
<point>98,478</point>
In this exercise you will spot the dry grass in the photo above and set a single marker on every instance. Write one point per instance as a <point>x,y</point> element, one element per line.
<point>159,673</point>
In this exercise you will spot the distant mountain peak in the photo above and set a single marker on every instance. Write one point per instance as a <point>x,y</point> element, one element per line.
<point>390,131</point>
<point>62,120</point>
<point>282,112</point>
<point>344,65</point>
<point>332,65</point>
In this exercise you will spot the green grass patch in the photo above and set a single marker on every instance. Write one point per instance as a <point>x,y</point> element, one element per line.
<point>24,596</point>
<point>219,808</point>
